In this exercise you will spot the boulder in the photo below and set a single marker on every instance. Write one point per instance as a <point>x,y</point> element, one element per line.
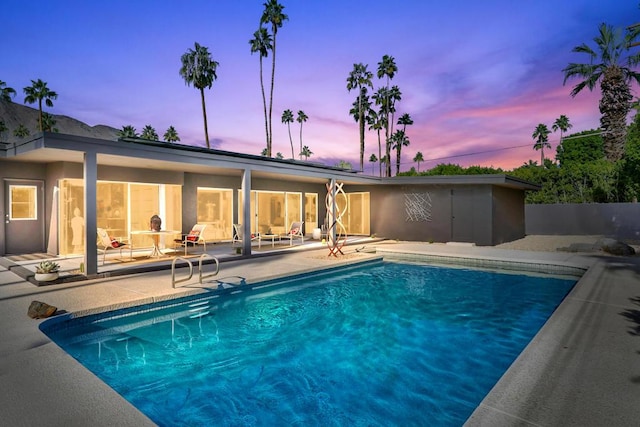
<point>615,247</point>
<point>40,310</point>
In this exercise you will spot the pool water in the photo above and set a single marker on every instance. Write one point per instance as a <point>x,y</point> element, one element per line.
<point>386,344</point>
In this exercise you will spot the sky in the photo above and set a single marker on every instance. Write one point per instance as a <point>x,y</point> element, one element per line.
<point>476,76</point>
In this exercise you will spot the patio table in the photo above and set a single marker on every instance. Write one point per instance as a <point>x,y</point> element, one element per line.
<point>273,238</point>
<point>156,252</point>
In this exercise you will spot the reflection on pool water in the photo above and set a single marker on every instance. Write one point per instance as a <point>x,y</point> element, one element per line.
<point>385,344</point>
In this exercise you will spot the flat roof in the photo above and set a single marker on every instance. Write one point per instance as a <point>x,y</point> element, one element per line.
<point>47,147</point>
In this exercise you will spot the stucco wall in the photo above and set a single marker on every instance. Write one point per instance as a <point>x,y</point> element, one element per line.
<point>620,220</point>
<point>508,215</point>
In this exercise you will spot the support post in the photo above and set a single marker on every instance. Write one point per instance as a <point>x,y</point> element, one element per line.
<point>90,176</point>
<point>246,211</point>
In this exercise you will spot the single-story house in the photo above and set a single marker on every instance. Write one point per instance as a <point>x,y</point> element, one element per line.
<point>58,189</point>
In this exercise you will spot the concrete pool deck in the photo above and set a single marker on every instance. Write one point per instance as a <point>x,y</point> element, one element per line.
<point>581,369</point>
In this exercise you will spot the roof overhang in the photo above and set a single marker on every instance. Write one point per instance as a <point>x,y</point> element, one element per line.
<point>135,153</point>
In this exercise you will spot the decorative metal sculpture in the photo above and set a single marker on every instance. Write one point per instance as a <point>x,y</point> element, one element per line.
<point>336,232</point>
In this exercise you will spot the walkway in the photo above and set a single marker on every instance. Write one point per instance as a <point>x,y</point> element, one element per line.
<point>582,369</point>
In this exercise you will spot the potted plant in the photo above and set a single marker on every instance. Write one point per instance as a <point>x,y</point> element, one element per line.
<point>47,271</point>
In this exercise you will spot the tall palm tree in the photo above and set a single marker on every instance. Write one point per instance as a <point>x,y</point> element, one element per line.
<point>262,44</point>
<point>360,78</point>
<point>399,140</point>
<point>21,131</point>
<point>541,137</point>
<point>302,117</point>
<point>609,67</point>
<point>199,68</point>
<point>404,120</point>
<point>376,122</point>
<point>387,69</point>
<point>306,152</point>
<point>562,123</point>
<point>171,135</point>
<point>6,92</point>
<point>418,158</point>
<point>149,132</point>
<point>273,15</point>
<point>373,159</point>
<point>287,117</point>
<point>128,131</point>
<point>37,92</point>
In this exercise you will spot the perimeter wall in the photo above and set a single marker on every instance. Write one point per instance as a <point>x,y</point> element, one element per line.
<point>618,220</point>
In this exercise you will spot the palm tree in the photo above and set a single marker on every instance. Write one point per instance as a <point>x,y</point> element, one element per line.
<point>302,117</point>
<point>418,158</point>
<point>3,128</point>
<point>399,140</point>
<point>128,131</point>
<point>21,131</point>
<point>360,78</point>
<point>36,93</point>
<point>608,67</point>
<point>562,124</point>
<point>262,43</point>
<point>48,123</point>
<point>6,92</point>
<point>387,68</point>
<point>377,122</point>
<point>373,159</point>
<point>263,152</point>
<point>541,136</point>
<point>273,15</point>
<point>287,117</point>
<point>171,135</point>
<point>306,152</point>
<point>279,155</point>
<point>199,68</point>
<point>404,120</point>
<point>149,132</point>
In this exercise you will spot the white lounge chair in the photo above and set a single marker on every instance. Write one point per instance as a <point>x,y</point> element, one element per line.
<point>194,238</point>
<point>106,242</point>
<point>295,232</point>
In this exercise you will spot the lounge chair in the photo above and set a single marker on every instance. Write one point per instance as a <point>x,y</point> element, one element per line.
<point>106,242</point>
<point>295,232</point>
<point>194,238</point>
<point>237,234</point>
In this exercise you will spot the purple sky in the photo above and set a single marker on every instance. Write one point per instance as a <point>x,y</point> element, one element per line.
<point>476,77</point>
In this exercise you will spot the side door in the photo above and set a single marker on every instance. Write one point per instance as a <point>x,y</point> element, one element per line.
<point>24,216</point>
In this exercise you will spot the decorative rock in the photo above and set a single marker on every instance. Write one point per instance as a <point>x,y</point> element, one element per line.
<point>615,247</point>
<point>40,310</point>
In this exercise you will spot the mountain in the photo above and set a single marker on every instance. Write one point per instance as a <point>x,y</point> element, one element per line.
<point>14,115</point>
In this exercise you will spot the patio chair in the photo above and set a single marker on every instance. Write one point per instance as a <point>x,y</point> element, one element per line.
<point>295,232</point>
<point>106,242</point>
<point>194,238</point>
<point>237,234</point>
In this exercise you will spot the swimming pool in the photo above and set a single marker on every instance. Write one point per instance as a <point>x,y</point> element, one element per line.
<point>385,344</point>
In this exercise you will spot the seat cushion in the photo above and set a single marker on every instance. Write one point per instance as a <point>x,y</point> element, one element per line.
<point>193,235</point>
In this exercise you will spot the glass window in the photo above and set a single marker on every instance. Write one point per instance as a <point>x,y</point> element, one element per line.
<point>111,208</point>
<point>23,202</point>
<point>358,219</point>
<point>310,212</point>
<point>294,210</point>
<point>72,219</point>
<point>215,208</point>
